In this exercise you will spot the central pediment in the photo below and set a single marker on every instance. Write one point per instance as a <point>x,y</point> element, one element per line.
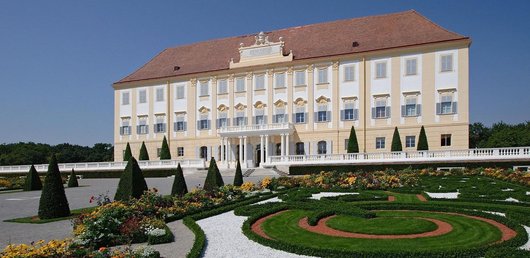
<point>262,52</point>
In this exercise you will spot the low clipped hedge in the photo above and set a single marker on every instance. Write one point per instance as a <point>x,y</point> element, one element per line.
<point>166,238</point>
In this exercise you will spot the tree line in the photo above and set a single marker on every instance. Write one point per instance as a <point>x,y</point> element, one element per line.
<point>499,135</point>
<point>25,153</point>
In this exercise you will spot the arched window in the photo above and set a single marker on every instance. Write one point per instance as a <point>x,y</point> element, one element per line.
<point>203,152</point>
<point>300,150</point>
<point>278,149</point>
<point>322,147</point>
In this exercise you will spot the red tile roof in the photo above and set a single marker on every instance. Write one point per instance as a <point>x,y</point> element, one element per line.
<point>317,40</point>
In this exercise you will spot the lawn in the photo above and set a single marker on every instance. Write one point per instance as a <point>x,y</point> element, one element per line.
<point>381,225</point>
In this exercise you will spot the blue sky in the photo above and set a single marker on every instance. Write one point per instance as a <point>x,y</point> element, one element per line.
<point>58,59</point>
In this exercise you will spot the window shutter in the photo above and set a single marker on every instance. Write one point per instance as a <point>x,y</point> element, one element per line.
<point>387,111</point>
<point>217,124</point>
<point>275,119</point>
<point>329,149</point>
<point>306,148</point>
<point>198,124</point>
<point>246,121</point>
<point>438,108</point>
<point>121,130</point>
<point>328,116</point>
<point>227,122</point>
<point>306,117</point>
<point>146,129</point>
<point>342,115</point>
<point>373,113</point>
<point>418,109</point>
<point>294,117</point>
<point>175,126</point>
<point>315,117</point>
<point>208,123</point>
<point>454,108</point>
<point>403,110</point>
<point>315,148</point>
<point>356,114</point>
<point>265,121</point>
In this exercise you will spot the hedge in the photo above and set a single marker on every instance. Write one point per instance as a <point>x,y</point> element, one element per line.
<point>167,238</point>
<point>53,202</point>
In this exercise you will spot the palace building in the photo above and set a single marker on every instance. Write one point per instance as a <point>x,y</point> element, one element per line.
<point>299,90</point>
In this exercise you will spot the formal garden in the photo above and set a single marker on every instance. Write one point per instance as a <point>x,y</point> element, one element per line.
<point>481,212</point>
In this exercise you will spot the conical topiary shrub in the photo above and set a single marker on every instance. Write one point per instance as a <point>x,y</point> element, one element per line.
<point>32,180</point>
<point>128,154</point>
<point>179,185</point>
<point>72,181</point>
<point>396,141</point>
<point>53,202</point>
<point>132,182</point>
<point>422,141</point>
<point>164,152</point>
<point>238,179</point>
<point>144,155</point>
<point>353,145</point>
<point>213,178</point>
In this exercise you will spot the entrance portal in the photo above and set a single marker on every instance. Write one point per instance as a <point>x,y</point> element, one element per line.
<point>257,158</point>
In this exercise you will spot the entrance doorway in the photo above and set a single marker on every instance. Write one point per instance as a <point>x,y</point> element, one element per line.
<point>257,158</point>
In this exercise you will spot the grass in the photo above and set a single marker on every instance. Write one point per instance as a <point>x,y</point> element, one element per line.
<point>466,233</point>
<point>35,219</point>
<point>381,225</point>
<point>405,198</point>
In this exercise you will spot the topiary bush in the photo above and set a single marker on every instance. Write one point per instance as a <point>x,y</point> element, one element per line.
<point>179,185</point>
<point>72,181</point>
<point>238,179</point>
<point>422,140</point>
<point>53,202</point>
<point>164,152</point>
<point>132,182</point>
<point>144,155</point>
<point>128,154</point>
<point>353,145</point>
<point>32,181</point>
<point>396,141</point>
<point>213,178</point>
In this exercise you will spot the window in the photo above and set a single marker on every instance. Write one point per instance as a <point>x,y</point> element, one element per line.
<point>380,142</point>
<point>411,66</point>
<point>223,87</point>
<point>260,82</point>
<point>180,92</point>
<point>204,123</point>
<point>300,115</point>
<point>160,126</point>
<point>349,112</point>
<point>125,128</point>
<point>349,73</point>
<point>380,70</point>
<point>142,127</point>
<point>259,119</point>
<point>322,75</point>
<point>322,147</point>
<point>240,118</point>
<point>180,124</point>
<point>410,108</point>
<point>410,141</point>
<point>180,151</point>
<point>142,96</point>
<point>446,105</point>
<point>240,84</point>
<point>280,116</point>
<point>381,110</point>
<point>446,63</point>
<point>203,154</point>
<point>125,98</point>
<point>299,78</point>
<point>280,80</point>
<point>204,91</point>
<point>160,94</point>
<point>222,121</point>
<point>278,149</point>
<point>300,148</point>
<point>446,140</point>
<point>322,114</point>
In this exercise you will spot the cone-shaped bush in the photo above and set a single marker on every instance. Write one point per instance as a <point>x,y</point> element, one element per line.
<point>164,152</point>
<point>213,178</point>
<point>144,155</point>
<point>238,179</point>
<point>72,181</point>
<point>132,182</point>
<point>53,202</point>
<point>353,145</point>
<point>422,141</point>
<point>179,185</point>
<point>128,154</point>
<point>396,141</point>
<point>32,180</point>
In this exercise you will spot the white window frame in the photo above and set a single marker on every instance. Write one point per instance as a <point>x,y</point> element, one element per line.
<point>125,98</point>
<point>180,92</point>
<point>446,140</point>
<point>349,76</point>
<point>259,83</point>
<point>279,80</point>
<point>204,89</point>
<point>411,66</point>
<point>240,84</point>
<point>409,106</point>
<point>299,78</point>
<point>180,151</point>
<point>446,63</point>
<point>381,70</point>
<point>322,74</point>
<point>142,96</point>
<point>222,86</point>
<point>410,141</point>
<point>159,94</point>
<point>380,143</point>
<point>378,107</point>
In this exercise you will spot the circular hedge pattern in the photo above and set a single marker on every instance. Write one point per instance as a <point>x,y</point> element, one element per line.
<point>381,225</point>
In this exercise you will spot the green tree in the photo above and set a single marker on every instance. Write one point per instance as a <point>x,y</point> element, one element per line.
<point>128,154</point>
<point>238,179</point>
<point>353,145</point>
<point>53,202</point>
<point>179,185</point>
<point>164,152</point>
<point>422,140</point>
<point>144,155</point>
<point>132,182</point>
<point>478,135</point>
<point>72,180</point>
<point>213,178</point>
<point>396,141</point>
<point>32,180</point>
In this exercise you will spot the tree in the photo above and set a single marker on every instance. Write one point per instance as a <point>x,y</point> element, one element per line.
<point>422,140</point>
<point>53,202</point>
<point>478,135</point>
<point>353,145</point>
<point>144,155</point>
<point>132,182</point>
<point>164,152</point>
<point>32,180</point>
<point>128,154</point>
<point>396,141</point>
<point>238,179</point>
<point>213,178</point>
<point>72,181</point>
<point>179,185</point>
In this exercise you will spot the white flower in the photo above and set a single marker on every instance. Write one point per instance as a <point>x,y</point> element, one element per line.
<point>156,232</point>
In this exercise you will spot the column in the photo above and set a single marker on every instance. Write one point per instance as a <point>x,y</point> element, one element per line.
<point>223,149</point>
<point>282,146</point>
<point>267,148</point>
<point>245,149</point>
<point>240,149</point>
<point>228,151</point>
<point>287,144</point>
<point>262,150</point>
